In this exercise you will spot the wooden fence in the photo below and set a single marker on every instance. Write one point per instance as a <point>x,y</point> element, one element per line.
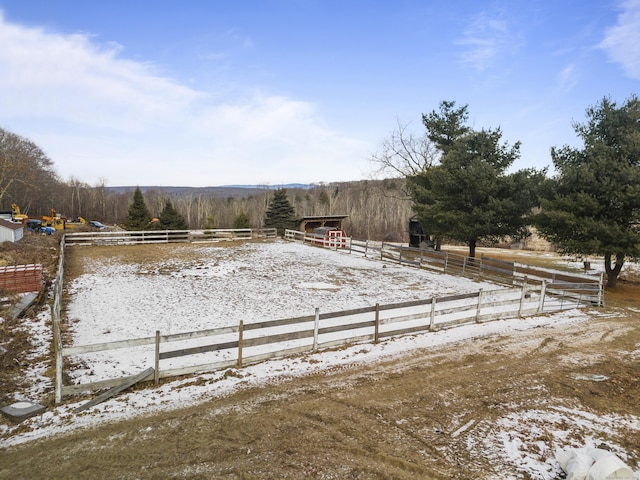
<point>248,343</point>
<point>252,342</point>
<point>586,289</point>
<point>21,278</point>
<point>125,237</point>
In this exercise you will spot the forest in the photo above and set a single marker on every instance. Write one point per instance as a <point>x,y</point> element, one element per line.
<point>376,209</point>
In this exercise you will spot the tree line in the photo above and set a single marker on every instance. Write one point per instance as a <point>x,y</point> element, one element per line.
<point>376,209</point>
<point>455,179</point>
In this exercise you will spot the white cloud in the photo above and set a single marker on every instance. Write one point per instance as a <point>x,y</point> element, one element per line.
<point>568,78</point>
<point>98,114</point>
<point>70,78</point>
<point>621,41</point>
<point>486,38</point>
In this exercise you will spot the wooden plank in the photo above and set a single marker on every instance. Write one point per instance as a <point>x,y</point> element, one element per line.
<point>283,337</point>
<point>413,303</point>
<point>278,323</point>
<point>347,341</point>
<point>195,350</point>
<point>346,313</point>
<point>406,318</point>
<point>23,305</point>
<point>98,347</point>
<point>201,368</point>
<point>115,390</point>
<point>175,337</point>
<point>405,331</point>
<point>347,327</point>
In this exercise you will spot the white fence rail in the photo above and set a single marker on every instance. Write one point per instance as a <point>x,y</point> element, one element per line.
<point>125,237</point>
<point>253,342</point>
<point>586,289</point>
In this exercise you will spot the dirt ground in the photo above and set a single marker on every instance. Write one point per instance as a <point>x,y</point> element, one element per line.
<point>398,419</point>
<point>426,415</point>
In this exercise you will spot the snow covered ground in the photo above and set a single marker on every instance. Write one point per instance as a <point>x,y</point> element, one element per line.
<point>257,281</point>
<point>218,287</point>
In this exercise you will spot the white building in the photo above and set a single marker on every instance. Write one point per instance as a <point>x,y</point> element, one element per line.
<point>10,231</point>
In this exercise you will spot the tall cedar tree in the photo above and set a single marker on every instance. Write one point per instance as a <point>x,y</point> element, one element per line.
<point>280,213</point>
<point>138,217</point>
<point>593,205</point>
<point>170,219</point>
<point>468,196</point>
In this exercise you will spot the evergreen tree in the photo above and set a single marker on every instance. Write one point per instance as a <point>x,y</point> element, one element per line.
<point>242,221</point>
<point>138,216</point>
<point>170,219</point>
<point>280,213</point>
<point>593,207</point>
<point>468,196</point>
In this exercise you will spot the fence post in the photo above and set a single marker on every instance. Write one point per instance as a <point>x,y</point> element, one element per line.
<point>601,290</point>
<point>58,347</point>
<point>464,264</point>
<point>479,305</point>
<point>376,332</point>
<point>446,260</point>
<point>240,334</point>
<point>522,296</point>
<point>400,255</point>
<point>432,317</point>
<point>156,375</point>
<point>543,292</point>
<point>315,329</point>
<point>382,251</point>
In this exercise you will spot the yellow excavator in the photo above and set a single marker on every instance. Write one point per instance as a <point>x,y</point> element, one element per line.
<point>16,216</point>
<point>60,222</point>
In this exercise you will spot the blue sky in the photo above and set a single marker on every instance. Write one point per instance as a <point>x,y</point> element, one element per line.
<point>203,93</point>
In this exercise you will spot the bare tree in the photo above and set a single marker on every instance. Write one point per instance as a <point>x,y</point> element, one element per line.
<point>23,167</point>
<point>403,154</point>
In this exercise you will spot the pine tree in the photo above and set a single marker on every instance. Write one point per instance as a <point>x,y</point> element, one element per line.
<point>469,196</point>
<point>138,216</point>
<point>593,204</point>
<point>242,221</point>
<point>170,219</point>
<point>280,213</point>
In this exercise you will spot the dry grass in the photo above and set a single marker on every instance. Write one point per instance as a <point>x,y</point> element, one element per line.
<point>14,338</point>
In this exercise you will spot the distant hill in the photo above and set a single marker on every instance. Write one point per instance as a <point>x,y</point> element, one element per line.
<point>236,191</point>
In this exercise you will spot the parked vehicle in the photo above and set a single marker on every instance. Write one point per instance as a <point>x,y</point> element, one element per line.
<point>96,224</point>
<point>36,226</point>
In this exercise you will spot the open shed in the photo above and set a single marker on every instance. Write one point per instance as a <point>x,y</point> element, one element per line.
<point>309,223</point>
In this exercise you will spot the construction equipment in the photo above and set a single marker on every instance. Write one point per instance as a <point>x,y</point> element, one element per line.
<point>16,215</point>
<point>59,222</point>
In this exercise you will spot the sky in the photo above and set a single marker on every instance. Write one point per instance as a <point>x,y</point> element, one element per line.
<point>206,93</point>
